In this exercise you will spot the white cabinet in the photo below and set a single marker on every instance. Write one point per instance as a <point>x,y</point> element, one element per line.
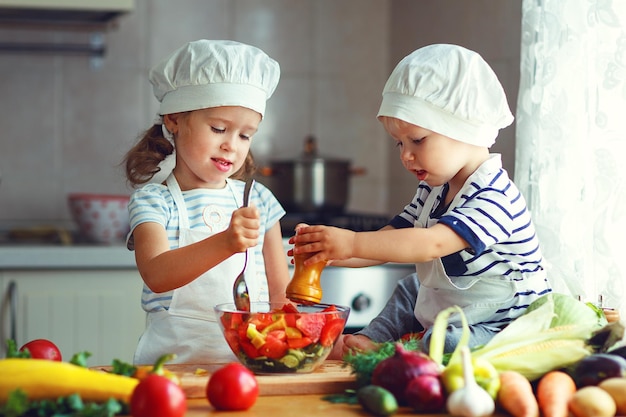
<point>79,310</point>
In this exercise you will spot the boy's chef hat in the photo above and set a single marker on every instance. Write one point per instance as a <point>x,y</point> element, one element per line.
<point>214,73</point>
<point>450,90</point>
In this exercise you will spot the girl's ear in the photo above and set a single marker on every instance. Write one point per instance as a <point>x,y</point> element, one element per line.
<point>171,122</point>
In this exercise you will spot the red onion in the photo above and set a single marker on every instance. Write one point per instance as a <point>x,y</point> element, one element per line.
<point>396,372</point>
<point>425,394</point>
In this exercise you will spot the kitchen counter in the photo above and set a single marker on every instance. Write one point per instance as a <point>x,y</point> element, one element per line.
<point>298,395</point>
<point>293,405</point>
<point>19,256</point>
<point>27,256</point>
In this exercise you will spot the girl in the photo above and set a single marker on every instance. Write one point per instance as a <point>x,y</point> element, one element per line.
<point>190,232</point>
<point>467,228</point>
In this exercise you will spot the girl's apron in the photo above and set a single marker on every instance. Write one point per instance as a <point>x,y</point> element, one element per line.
<point>189,328</point>
<point>479,297</point>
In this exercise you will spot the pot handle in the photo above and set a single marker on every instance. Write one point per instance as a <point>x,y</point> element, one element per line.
<point>266,171</point>
<point>358,171</point>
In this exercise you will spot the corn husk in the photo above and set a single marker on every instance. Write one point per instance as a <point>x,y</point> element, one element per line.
<point>552,334</point>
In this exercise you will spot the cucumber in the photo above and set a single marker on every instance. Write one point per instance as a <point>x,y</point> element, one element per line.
<point>377,400</point>
<point>290,361</point>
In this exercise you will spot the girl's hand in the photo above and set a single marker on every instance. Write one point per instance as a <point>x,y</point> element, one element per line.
<point>326,242</point>
<point>243,231</point>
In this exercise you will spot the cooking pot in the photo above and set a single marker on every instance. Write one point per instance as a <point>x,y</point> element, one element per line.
<point>311,182</point>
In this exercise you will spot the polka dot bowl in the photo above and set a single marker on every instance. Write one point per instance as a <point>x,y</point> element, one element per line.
<point>101,218</point>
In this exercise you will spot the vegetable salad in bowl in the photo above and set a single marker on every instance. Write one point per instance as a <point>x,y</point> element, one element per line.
<point>282,337</point>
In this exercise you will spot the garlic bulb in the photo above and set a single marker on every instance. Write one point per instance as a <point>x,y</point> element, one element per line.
<point>471,400</point>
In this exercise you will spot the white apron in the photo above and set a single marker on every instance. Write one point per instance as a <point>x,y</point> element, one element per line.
<point>189,328</point>
<point>437,291</point>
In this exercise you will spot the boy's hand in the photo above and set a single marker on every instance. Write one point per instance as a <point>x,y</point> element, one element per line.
<point>326,242</point>
<point>357,343</point>
<point>243,231</point>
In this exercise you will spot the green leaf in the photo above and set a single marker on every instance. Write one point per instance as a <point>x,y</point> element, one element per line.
<point>80,359</point>
<point>14,352</point>
<point>16,405</point>
<point>123,368</point>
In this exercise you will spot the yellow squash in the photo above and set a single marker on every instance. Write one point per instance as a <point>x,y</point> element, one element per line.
<point>44,379</point>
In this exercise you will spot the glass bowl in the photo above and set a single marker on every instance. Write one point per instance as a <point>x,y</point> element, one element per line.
<point>282,337</point>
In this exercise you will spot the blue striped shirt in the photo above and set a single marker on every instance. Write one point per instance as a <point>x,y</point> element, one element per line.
<point>491,215</point>
<point>208,210</point>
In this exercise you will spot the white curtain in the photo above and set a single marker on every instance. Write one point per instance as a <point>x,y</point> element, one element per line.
<point>571,141</point>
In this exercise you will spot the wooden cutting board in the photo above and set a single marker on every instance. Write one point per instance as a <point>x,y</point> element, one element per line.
<point>331,377</point>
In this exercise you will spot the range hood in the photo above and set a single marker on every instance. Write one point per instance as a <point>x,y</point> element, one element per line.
<point>62,12</point>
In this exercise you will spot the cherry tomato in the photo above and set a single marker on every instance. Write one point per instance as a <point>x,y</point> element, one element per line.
<point>158,396</point>
<point>43,349</point>
<point>232,387</point>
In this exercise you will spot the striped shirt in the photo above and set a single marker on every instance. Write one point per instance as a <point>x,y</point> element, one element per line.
<point>491,215</point>
<point>208,210</point>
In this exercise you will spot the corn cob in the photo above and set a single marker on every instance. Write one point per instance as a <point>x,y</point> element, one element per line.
<point>44,379</point>
<point>534,360</point>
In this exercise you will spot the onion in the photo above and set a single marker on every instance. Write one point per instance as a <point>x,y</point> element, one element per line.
<point>396,372</point>
<point>425,394</point>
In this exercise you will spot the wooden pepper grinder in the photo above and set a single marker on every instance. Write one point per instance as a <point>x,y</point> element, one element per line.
<point>305,286</point>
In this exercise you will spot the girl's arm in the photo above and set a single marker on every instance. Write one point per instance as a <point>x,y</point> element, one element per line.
<point>409,245</point>
<point>276,267</point>
<point>164,269</point>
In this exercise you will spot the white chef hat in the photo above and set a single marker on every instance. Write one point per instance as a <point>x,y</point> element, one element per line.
<point>450,90</point>
<point>214,73</point>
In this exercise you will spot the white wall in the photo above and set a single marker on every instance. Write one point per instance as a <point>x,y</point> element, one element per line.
<point>489,27</point>
<point>66,126</point>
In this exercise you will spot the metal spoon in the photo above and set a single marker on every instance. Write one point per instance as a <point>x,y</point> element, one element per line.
<point>240,289</point>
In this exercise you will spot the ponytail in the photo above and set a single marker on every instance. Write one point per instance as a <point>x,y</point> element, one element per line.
<point>142,160</point>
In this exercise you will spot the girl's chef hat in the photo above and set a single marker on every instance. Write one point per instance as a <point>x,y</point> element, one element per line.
<point>214,73</point>
<point>450,90</point>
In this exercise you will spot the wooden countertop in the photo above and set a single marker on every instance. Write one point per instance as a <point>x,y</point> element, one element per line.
<point>293,405</point>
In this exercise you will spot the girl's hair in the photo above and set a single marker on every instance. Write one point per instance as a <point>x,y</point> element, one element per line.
<point>142,160</point>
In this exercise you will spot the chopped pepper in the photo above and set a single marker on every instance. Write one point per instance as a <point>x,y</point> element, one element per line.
<point>256,337</point>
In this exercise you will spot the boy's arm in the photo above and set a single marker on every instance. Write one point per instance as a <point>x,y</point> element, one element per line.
<point>409,245</point>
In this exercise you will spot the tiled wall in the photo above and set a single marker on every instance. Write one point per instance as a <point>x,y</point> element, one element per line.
<point>489,27</point>
<point>66,126</point>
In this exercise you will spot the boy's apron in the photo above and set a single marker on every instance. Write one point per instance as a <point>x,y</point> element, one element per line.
<point>189,328</point>
<point>479,297</point>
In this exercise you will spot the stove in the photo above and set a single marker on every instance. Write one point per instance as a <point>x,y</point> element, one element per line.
<point>364,290</point>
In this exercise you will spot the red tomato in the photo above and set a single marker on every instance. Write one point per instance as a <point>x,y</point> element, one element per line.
<point>158,396</point>
<point>299,342</point>
<point>43,349</point>
<point>232,387</point>
<point>248,348</point>
<point>274,348</point>
<point>232,338</point>
<point>289,308</point>
<point>331,331</point>
<point>262,320</point>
